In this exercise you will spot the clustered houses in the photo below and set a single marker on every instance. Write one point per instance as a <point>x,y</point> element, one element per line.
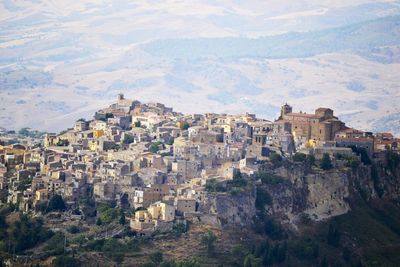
<point>157,161</point>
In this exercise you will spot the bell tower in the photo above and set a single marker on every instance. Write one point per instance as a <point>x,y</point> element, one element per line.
<point>285,109</point>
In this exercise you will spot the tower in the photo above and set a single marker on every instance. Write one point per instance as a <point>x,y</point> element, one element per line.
<point>285,109</point>
<point>120,96</point>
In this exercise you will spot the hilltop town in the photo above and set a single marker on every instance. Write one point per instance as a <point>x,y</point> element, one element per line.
<point>159,167</point>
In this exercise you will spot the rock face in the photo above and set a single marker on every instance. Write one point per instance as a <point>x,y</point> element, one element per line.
<point>324,194</point>
<point>304,190</point>
<point>327,193</point>
<point>320,194</point>
<point>229,209</point>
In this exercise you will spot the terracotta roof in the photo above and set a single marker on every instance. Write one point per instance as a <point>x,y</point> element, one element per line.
<point>386,134</point>
<point>305,115</point>
<point>361,139</point>
<point>294,122</point>
<point>350,130</point>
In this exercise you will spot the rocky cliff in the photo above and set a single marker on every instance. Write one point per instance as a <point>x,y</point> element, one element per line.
<point>297,190</point>
<point>230,208</point>
<point>323,194</point>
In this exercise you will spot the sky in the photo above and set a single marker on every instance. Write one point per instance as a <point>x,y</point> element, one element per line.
<point>62,60</point>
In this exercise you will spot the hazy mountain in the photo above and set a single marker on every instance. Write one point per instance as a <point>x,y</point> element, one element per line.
<point>60,61</point>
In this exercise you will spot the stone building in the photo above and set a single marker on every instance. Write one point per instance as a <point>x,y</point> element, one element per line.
<point>312,128</point>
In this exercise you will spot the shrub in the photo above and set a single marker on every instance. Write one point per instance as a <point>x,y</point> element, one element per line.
<point>122,219</point>
<point>155,147</point>
<point>273,229</point>
<point>73,229</point>
<point>128,139</point>
<point>212,185</point>
<point>238,253</point>
<point>185,126</point>
<point>62,142</point>
<point>252,261</point>
<point>56,203</point>
<point>24,184</point>
<point>352,162</point>
<point>156,257</point>
<point>66,261</point>
<point>262,198</point>
<point>56,244</point>
<point>363,152</point>
<point>305,248</point>
<point>275,159</point>
<point>392,161</point>
<point>299,157</point>
<point>269,178</point>
<point>310,159</point>
<point>178,229</point>
<point>238,180</point>
<point>333,236</point>
<point>326,163</point>
<point>26,233</point>
<point>208,240</point>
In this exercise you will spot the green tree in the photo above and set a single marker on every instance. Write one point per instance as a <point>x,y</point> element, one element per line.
<point>73,229</point>
<point>56,203</point>
<point>209,241</point>
<point>122,219</point>
<point>326,163</point>
<point>275,159</point>
<point>252,261</point>
<point>128,139</point>
<point>392,161</point>
<point>238,180</point>
<point>269,178</point>
<point>310,159</point>
<point>56,244</point>
<point>299,157</point>
<point>109,215</point>
<point>305,248</point>
<point>80,240</point>
<point>353,162</point>
<point>65,261</point>
<point>62,142</point>
<point>281,252</point>
<point>24,184</point>
<point>346,254</point>
<point>262,198</point>
<point>333,237</point>
<point>362,152</point>
<point>24,132</point>
<point>155,147</point>
<point>273,229</point>
<point>239,253</point>
<point>185,126</point>
<point>25,233</point>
